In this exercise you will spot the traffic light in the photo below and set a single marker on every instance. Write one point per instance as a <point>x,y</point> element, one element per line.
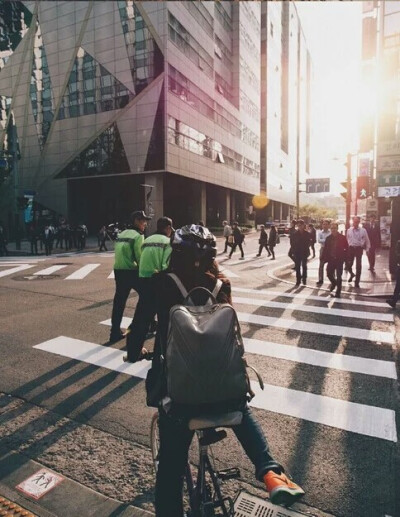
<point>363,187</point>
<point>347,194</point>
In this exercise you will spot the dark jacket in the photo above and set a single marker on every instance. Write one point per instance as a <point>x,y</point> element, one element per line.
<point>272,237</point>
<point>301,242</point>
<point>237,235</point>
<point>263,237</point>
<point>374,234</point>
<point>335,249</point>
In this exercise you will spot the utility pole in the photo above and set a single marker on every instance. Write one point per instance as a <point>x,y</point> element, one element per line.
<point>348,198</point>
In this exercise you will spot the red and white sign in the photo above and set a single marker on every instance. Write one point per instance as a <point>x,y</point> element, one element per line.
<point>37,485</point>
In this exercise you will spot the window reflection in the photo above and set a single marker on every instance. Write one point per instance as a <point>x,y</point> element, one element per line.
<point>106,155</point>
<point>92,89</point>
<point>145,58</point>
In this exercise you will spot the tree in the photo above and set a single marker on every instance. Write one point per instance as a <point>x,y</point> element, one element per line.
<point>317,212</point>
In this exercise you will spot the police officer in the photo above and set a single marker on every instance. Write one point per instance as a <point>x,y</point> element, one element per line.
<point>128,249</point>
<point>156,251</point>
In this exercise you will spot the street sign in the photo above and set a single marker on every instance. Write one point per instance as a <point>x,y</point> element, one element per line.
<point>39,483</point>
<point>389,191</point>
<point>316,185</point>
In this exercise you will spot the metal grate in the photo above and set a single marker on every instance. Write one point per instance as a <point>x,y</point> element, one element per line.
<point>248,505</point>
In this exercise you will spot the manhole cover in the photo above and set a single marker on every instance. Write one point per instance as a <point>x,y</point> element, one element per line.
<point>29,278</point>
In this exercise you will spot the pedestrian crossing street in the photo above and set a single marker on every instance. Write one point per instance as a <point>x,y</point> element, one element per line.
<point>350,324</point>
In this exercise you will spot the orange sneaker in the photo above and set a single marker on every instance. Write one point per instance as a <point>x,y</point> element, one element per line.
<point>281,490</point>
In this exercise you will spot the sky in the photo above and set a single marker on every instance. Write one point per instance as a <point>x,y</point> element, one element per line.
<point>333,34</point>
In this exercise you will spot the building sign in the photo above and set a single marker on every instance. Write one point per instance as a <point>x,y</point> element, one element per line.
<point>391,147</point>
<point>316,185</point>
<point>388,164</point>
<point>39,483</point>
<point>388,191</point>
<point>364,168</point>
<point>388,180</point>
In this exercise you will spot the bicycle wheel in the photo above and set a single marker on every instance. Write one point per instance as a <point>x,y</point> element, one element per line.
<point>154,441</point>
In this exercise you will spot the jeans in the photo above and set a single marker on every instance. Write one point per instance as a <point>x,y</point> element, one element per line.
<point>175,438</point>
<point>125,280</point>
<point>301,268</point>
<point>355,252</point>
<point>144,315</point>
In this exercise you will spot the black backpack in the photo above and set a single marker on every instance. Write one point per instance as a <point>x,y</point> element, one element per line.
<point>205,370</point>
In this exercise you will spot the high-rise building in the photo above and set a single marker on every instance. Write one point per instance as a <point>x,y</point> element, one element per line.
<point>110,106</point>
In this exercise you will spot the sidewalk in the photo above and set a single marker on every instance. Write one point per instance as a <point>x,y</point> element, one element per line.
<point>91,246</point>
<point>378,284</point>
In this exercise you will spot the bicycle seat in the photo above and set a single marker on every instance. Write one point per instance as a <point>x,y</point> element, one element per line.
<point>209,421</point>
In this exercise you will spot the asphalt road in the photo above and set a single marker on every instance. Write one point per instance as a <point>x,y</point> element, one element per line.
<point>329,409</point>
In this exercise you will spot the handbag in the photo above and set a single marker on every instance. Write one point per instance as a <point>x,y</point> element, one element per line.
<point>231,239</point>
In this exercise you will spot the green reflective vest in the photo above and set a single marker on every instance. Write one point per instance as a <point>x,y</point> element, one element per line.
<point>128,249</point>
<point>156,251</point>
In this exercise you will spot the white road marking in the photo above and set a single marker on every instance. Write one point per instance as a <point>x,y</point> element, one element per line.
<point>328,311</point>
<point>342,362</point>
<point>322,298</point>
<point>318,328</point>
<point>350,416</point>
<point>302,326</point>
<point>49,270</point>
<point>228,273</point>
<point>16,269</point>
<point>106,357</point>
<point>111,275</point>
<point>82,272</point>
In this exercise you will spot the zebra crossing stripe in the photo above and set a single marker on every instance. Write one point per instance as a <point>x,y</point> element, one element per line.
<point>228,273</point>
<point>328,311</point>
<point>15,269</point>
<point>82,272</point>
<point>324,297</point>
<point>317,328</point>
<point>350,416</point>
<point>104,356</point>
<point>49,270</point>
<point>342,362</point>
<point>302,326</point>
<point>111,275</point>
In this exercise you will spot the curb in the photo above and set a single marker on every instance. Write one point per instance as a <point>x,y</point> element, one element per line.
<point>64,500</point>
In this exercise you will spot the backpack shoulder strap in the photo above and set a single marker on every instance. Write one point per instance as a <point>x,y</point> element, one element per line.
<point>217,288</point>
<point>179,284</point>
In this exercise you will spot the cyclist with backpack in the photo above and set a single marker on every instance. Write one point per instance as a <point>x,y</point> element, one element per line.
<point>193,263</point>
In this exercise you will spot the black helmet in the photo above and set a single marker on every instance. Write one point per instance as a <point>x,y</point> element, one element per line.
<point>197,238</point>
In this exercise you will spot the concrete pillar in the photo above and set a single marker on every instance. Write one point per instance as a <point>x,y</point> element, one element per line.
<point>155,202</point>
<point>228,205</point>
<point>280,212</point>
<point>203,202</point>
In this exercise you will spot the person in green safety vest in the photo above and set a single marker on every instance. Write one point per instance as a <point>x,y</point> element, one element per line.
<point>128,249</point>
<point>156,251</point>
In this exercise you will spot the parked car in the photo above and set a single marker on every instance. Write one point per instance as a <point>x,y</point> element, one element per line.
<point>282,227</point>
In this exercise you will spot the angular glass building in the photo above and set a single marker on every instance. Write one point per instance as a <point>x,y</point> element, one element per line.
<point>111,106</point>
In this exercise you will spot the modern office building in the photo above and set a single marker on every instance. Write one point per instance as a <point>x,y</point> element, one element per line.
<point>108,106</point>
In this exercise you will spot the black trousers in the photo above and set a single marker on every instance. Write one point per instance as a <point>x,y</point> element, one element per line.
<point>144,315</point>
<point>396,292</point>
<point>334,272</point>
<point>371,257</point>
<point>125,280</point>
<point>265,245</point>
<point>355,252</point>
<point>301,268</point>
<point>235,245</point>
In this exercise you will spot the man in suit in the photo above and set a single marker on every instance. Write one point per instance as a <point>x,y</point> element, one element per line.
<point>48,237</point>
<point>300,249</point>
<point>374,234</point>
<point>335,253</point>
